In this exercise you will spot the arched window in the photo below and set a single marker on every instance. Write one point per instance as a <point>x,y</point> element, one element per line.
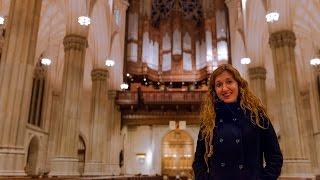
<point>37,95</point>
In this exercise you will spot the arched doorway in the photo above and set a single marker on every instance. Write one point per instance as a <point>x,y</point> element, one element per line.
<point>177,154</point>
<point>81,154</point>
<point>32,157</point>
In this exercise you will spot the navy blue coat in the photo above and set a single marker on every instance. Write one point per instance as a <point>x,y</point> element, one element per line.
<point>239,147</point>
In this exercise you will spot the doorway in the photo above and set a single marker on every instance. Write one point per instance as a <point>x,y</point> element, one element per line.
<point>177,154</point>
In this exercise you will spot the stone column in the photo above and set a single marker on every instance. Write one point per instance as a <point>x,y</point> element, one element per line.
<point>65,161</point>
<point>282,44</point>
<point>315,114</point>
<point>53,129</point>
<point>99,106</point>
<point>16,70</point>
<point>257,76</point>
<point>115,136</point>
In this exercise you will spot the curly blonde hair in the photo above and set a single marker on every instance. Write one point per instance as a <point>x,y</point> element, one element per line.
<point>248,101</point>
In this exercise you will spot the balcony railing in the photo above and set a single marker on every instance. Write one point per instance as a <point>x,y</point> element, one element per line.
<point>163,97</point>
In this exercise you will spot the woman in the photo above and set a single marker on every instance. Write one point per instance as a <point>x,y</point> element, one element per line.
<point>235,133</point>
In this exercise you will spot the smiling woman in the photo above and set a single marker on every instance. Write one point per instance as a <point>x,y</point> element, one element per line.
<point>235,133</point>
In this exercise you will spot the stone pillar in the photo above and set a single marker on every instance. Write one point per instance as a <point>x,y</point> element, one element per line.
<point>257,76</point>
<point>65,161</point>
<point>282,44</point>
<point>115,136</point>
<point>16,70</point>
<point>53,129</point>
<point>99,105</point>
<point>315,113</point>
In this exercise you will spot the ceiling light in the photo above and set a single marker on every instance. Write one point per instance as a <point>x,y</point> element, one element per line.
<point>1,20</point>
<point>124,86</point>
<point>46,61</point>
<point>272,17</point>
<point>128,74</point>
<point>245,60</point>
<point>84,20</point>
<point>109,62</point>
<point>144,79</point>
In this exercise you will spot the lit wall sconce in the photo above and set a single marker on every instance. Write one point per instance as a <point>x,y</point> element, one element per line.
<point>46,61</point>
<point>124,86</point>
<point>315,62</point>
<point>1,20</point>
<point>272,17</point>
<point>84,20</point>
<point>109,62</point>
<point>141,157</point>
<point>245,60</point>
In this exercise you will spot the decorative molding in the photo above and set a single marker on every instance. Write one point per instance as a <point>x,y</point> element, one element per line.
<point>282,38</point>
<point>99,74</point>
<point>112,94</point>
<point>257,73</point>
<point>76,42</point>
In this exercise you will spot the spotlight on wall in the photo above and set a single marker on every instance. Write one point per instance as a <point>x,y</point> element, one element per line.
<point>124,86</point>
<point>272,17</point>
<point>245,60</point>
<point>84,20</point>
<point>1,20</point>
<point>109,62</point>
<point>46,61</point>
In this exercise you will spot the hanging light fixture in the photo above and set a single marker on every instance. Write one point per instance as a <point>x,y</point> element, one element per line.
<point>316,60</point>
<point>1,20</point>
<point>245,60</point>
<point>84,20</point>
<point>272,17</point>
<point>109,62</point>
<point>124,86</point>
<point>46,61</point>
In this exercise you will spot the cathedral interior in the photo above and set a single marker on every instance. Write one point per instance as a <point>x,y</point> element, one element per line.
<point>112,88</point>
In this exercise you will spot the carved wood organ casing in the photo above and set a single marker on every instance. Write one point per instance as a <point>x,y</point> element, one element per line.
<point>175,40</point>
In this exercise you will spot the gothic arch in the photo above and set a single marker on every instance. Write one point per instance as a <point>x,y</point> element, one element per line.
<point>177,153</point>
<point>32,156</point>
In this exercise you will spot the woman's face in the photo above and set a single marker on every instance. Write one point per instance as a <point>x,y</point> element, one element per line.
<point>226,87</point>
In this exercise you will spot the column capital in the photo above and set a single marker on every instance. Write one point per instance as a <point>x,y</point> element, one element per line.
<point>76,42</point>
<point>282,38</point>
<point>257,73</point>
<point>99,74</point>
<point>231,3</point>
